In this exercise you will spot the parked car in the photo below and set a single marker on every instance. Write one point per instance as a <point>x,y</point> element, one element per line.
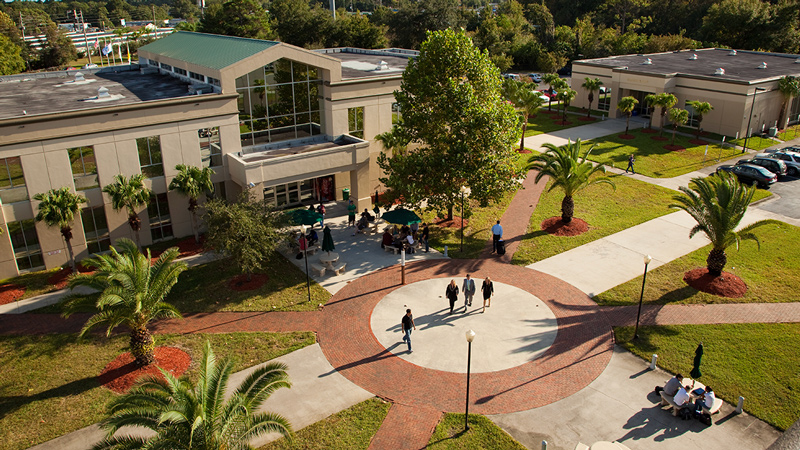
<point>548,93</point>
<point>535,77</point>
<point>791,159</point>
<point>750,174</point>
<point>775,166</point>
<point>511,76</point>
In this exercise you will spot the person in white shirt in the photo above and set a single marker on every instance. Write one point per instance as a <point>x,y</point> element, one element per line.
<point>497,234</point>
<point>682,396</point>
<point>706,399</point>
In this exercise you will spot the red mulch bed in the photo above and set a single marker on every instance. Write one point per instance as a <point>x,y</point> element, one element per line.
<point>120,374</point>
<point>562,122</point>
<point>186,247</point>
<point>726,285</point>
<point>454,223</point>
<point>240,283</point>
<point>556,227</point>
<point>587,119</point>
<point>524,150</point>
<point>59,279</point>
<point>659,138</point>
<point>649,130</point>
<point>626,136</point>
<point>698,142</point>
<point>544,111</point>
<point>10,293</point>
<point>675,148</point>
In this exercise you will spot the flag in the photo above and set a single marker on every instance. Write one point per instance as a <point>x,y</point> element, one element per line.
<point>107,49</point>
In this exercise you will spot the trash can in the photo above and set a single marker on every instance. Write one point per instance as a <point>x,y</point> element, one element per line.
<point>773,131</point>
<point>346,194</point>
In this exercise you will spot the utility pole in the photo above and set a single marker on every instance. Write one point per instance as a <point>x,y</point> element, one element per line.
<point>85,39</point>
<point>154,20</point>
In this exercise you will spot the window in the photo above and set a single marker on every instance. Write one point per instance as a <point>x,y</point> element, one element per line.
<point>355,121</point>
<point>180,71</point>
<point>197,76</point>
<point>26,245</point>
<point>213,81</point>
<point>84,167</point>
<point>692,122</point>
<point>396,114</point>
<point>219,191</point>
<point>166,67</point>
<point>150,156</point>
<point>160,222</point>
<point>12,181</point>
<point>210,149</point>
<point>95,229</point>
<point>604,99</point>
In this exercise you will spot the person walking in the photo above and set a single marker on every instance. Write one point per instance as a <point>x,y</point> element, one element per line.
<point>631,160</point>
<point>497,234</point>
<point>452,294</point>
<point>408,324</point>
<point>488,290</point>
<point>425,235</point>
<point>321,210</point>
<point>351,215</point>
<point>469,290</point>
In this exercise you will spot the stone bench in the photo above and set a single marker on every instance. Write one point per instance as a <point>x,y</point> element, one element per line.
<point>317,269</point>
<point>339,268</point>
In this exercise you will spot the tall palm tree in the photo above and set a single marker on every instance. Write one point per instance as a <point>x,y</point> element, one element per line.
<point>132,293</point>
<point>566,96</point>
<point>650,100</point>
<point>700,109</point>
<point>569,171</point>
<point>626,106</point>
<point>665,101</point>
<point>556,83</point>
<point>129,194</point>
<point>57,209</point>
<point>527,101</point>
<point>592,85</point>
<point>789,87</point>
<point>199,416</point>
<point>678,117</point>
<point>718,204</point>
<point>193,181</point>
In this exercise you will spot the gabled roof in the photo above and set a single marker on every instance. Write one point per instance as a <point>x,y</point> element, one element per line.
<point>207,50</point>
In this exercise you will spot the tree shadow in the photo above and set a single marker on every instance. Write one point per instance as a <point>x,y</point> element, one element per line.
<point>10,404</point>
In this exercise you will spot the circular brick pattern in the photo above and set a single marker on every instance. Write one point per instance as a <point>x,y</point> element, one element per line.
<point>580,352</point>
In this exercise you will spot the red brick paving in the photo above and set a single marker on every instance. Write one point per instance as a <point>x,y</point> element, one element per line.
<point>406,428</point>
<point>704,314</point>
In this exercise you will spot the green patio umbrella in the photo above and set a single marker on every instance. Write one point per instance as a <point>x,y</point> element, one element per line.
<point>303,217</point>
<point>698,358</point>
<point>401,216</point>
<point>327,240</point>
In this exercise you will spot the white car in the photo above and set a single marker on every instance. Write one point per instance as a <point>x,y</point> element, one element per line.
<point>90,66</point>
<point>535,77</point>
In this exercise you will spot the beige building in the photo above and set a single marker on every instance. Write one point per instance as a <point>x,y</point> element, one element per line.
<point>733,82</point>
<point>296,126</point>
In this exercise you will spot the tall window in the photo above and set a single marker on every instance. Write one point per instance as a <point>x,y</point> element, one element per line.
<point>604,99</point>
<point>95,229</point>
<point>355,121</point>
<point>84,167</point>
<point>150,156</point>
<point>12,181</point>
<point>160,222</point>
<point>210,149</point>
<point>692,122</point>
<point>26,245</point>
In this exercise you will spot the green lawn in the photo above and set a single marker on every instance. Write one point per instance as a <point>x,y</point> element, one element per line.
<point>605,210</point>
<point>789,133</point>
<point>755,142</point>
<point>756,361</point>
<point>49,385</point>
<point>351,429</point>
<point>541,123</point>
<point>482,434</point>
<point>35,283</point>
<point>772,274</point>
<point>652,159</point>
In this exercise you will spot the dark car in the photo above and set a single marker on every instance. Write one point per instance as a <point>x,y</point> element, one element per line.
<point>751,174</point>
<point>775,166</point>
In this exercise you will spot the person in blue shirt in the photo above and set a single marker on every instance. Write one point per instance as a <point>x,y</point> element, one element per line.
<point>497,234</point>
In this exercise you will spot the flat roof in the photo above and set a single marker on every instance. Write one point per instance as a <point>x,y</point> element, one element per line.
<point>741,67</point>
<point>362,63</point>
<point>59,92</point>
<point>207,50</point>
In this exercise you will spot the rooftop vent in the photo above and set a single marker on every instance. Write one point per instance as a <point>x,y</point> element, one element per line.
<point>383,65</point>
<point>693,57</point>
<point>647,62</point>
<point>732,53</point>
<point>79,77</point>
<point>763,65</point>
<point>797,61</point>
<point>719,71</point>
<point>103,92</point>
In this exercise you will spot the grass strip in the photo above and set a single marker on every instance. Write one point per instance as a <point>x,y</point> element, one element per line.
<point>50,385</point>
<point>541,123</point>
<point>772,274</point>
<point>756,142</point>
<point>483,434</point>
<point>756,361</point>
<point>789,133</point>
<point>352,428</point>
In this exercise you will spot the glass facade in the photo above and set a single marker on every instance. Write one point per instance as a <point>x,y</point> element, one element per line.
<point>160,221</point>
<point>150,156</point>
<point>84,167</point>
<point>210,148</point>
<point>95,229</point>
<point>355,122</point>
<point>12,181</point>
<point>25,242</point>
<point>279,102</point>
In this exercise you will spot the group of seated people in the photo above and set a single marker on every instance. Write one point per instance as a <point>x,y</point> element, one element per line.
<point>682,396</point>
<point>402,240</point>
<point>364,221</point>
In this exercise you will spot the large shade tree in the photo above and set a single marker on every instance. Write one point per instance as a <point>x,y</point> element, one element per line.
<point>452,106</point>
<point>718,204</point>
<point>192,182</point>
<point>129,194</point>
<point>700,110</point>
<point>789,87</point>
<point>132,293</point>
<point>57,208</point>
<point>569,170</point>
<point>201,415</point>
<point>242,18</point>
<point>626,105</point>
<point>591,85</point>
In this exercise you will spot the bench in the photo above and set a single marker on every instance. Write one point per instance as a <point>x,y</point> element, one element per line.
<point>319,270</point>
<point>339,268</point>
<point>714,408</point>
<point>668,400</point>
<point>391,248</point>
<point>311,250</point>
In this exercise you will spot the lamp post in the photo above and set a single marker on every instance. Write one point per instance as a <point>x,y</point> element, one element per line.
<point>647,260</point>
<point>750,119</point>
<point>305,256</point>
<point>470,337</point>
<point>463,191</point>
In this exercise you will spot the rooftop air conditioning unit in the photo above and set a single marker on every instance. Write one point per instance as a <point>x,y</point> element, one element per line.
<point>719,71</point>
<point>647,62</point>
<point>732,53</point>
<point>693,57</point>
<point>763,65</point>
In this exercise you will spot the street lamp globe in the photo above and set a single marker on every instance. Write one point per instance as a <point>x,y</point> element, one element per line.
<point>470,336</point>
<point>647,259</point>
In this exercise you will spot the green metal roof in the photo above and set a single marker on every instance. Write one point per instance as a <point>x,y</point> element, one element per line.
<point>207,50</point>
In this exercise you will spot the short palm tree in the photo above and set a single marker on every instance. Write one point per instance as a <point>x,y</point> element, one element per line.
<point>566,96</point>
<point>700,109</point>
<point>665,101</point>
<point>569,171</point>
<point>199,416</point>
<point>527,102</point>
<point>192,181</point>
<point>592,85</point>
<point>132,292</point>
<point>393,140</point>
<point>718,204</point>
<point>626,106</point>
<point>678,117</point>
<point>789,87</point>
<point>57,209</point>
<point>556,83</point>
<point>129,194</point>
<point>650,102</point>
